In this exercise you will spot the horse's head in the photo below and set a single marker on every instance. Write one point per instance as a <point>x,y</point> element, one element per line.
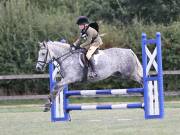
<point>50,50</point>
<point>43,56</point>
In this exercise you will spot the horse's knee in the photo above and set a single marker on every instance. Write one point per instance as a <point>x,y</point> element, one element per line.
<point>53,95</point>
<point>57,87</point>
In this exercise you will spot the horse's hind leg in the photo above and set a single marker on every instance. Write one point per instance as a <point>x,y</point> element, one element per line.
<point>138,70</point>
<point>138,79</point>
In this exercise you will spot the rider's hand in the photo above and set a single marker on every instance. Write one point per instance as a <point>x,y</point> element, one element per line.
<point>73,47</point>
<point>78,47</point>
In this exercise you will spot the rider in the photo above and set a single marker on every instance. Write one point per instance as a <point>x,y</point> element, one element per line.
<point>89,38</point>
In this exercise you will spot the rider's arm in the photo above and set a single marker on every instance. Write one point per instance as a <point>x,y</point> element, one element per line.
<point>77,42</point>
<point>90,34</point>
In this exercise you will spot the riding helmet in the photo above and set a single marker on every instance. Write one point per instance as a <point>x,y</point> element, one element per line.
<point>82,20</point>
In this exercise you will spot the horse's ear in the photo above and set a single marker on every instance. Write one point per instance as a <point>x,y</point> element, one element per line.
<point>40,44</point>
<point>44,44</point>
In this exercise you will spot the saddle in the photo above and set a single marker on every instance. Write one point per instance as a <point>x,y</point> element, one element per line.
<point>84,62</point>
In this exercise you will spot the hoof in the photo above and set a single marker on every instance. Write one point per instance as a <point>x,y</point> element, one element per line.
<point>46,110</point>
<point>47,107</point>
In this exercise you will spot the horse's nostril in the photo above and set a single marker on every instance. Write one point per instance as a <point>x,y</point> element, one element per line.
<point>38,68</point>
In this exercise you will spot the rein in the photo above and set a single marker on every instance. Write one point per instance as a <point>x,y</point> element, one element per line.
<point>64,57</point>
<point>68,54</point>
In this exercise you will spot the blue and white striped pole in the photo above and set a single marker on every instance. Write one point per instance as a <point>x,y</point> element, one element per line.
<point>105,107</point>
<point>104,92</point>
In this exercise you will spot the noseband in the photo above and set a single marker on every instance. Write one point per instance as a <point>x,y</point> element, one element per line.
<point>43,63</point>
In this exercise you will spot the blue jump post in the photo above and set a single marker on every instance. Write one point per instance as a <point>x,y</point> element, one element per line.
<point>153,103</point>
<point>153,88</point>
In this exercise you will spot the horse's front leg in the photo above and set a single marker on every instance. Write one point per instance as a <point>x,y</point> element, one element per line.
<point>57,89</point>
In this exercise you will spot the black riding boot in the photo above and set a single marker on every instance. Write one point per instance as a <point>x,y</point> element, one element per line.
<point>92,72</point>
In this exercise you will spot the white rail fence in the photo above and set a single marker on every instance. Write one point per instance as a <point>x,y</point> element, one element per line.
<point>46,76</point>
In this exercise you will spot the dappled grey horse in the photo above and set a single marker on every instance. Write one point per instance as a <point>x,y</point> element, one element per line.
<point>113,61</point>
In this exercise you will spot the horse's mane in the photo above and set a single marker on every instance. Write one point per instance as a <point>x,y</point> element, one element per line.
<point>59,44</point>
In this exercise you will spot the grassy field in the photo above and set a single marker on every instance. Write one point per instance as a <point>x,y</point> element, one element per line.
<point>28,119</point>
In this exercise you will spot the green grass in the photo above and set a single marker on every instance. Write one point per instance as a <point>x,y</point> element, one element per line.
<point>30,120</point>
<point>21,102</point>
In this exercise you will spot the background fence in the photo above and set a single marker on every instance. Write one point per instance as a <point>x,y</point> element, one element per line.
<point>36,76</point>
<point>42,88</point>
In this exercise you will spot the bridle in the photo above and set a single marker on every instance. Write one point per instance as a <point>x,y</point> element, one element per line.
<point>60,59</point>
<point>43,63</point>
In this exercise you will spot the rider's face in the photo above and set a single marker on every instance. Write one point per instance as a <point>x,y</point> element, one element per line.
<point>81,26</point>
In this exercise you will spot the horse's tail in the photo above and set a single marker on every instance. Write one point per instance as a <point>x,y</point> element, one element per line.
<point>139,66</point>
